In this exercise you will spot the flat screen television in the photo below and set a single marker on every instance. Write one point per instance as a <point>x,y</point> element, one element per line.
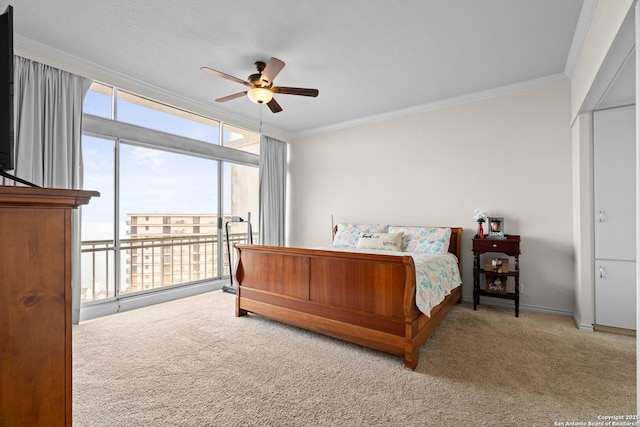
<point>6,91</point>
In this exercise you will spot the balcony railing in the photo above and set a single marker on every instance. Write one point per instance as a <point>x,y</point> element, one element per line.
<point>152,263</point>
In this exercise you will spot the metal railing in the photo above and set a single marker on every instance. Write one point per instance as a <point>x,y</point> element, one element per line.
<point>152,263</point>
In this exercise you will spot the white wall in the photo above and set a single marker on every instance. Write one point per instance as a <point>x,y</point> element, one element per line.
<point>509,155</point>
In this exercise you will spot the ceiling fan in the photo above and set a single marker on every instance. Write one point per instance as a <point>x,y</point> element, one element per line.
<point>261,88</point>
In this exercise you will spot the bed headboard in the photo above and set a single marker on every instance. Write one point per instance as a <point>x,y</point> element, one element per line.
<point>455,243</point>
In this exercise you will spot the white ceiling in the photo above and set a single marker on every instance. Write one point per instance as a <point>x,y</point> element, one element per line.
<point>366,57</point>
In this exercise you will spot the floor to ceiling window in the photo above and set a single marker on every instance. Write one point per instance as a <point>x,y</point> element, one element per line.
<point>98,226</point>
<point>169,182</point>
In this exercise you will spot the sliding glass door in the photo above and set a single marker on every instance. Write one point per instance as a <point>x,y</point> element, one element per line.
<point>241,203</point>
<point>168,218</point>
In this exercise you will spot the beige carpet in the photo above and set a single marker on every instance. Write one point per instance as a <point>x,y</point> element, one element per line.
<point>192,363</point>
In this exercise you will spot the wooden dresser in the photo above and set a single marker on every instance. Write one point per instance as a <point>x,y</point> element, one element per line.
<point>35,304</point>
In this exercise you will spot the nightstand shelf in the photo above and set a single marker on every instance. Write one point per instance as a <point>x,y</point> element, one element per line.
<point>493,273</point>
<point>509,246</point>
<point>508,295</point>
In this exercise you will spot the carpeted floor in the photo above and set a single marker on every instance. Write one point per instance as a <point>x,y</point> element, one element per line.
<point>192,363</point>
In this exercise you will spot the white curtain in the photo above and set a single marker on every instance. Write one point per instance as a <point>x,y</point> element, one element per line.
<point>48,131</point>
<point>273,180</point>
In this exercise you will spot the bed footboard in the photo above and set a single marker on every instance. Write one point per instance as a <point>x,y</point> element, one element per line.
<point>367,299</point>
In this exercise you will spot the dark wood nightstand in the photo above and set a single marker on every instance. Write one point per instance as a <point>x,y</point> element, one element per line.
<point>509,246</point>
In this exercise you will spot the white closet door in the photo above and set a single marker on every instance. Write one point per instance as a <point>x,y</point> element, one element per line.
<point>614,183</point>
<point>615,216</point>
<point>616,293</point>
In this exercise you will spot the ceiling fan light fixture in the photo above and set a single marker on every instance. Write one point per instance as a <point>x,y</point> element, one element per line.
<point>260,85</point>
<point>260,95</point>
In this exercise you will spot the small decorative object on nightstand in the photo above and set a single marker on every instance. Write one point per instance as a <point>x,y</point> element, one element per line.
<point>496,270</point>
<point>480,218</point>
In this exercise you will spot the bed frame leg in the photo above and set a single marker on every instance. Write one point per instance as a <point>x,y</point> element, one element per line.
<point>240,312</point>
<point>411,359</point>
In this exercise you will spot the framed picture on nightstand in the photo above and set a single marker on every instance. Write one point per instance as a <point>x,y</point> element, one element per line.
<point>496,265</point>
<point>496,227</point>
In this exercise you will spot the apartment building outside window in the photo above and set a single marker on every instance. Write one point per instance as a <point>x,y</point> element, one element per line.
<point>168,181</point>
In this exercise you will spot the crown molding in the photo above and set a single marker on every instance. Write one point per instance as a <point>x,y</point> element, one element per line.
<point>56,58</point>
<point>579,35</point>
<point>53,57</point>
<point>437,105</point>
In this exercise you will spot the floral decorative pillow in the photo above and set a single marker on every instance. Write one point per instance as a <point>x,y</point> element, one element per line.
<point>429,240</point>
<point>347,235</point>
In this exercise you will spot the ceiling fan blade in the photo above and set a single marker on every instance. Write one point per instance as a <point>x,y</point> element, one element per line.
<point>225,76</point>
<point>271,71</point>
<point>295,91</point>
<point>230,97</point>
<point>274,106</point>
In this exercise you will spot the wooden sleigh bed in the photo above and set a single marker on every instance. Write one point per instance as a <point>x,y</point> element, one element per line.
<point>368,299</point>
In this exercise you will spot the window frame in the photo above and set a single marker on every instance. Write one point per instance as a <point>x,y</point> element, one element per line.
<point>126,133</point>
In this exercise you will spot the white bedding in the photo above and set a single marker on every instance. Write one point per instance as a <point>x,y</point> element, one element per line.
<point>436,275</point>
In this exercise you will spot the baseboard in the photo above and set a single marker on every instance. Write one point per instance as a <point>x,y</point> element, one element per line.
<point>582,327</point>
<point>614,330</point>
<point>510,304</point>
<point>113,306</point>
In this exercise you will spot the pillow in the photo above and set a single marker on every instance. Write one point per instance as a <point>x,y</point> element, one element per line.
<point>429,240</point>
<point>348,234</point>
<point>386,241</point>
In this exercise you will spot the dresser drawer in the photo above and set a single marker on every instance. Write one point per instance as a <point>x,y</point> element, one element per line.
<point>510,245</point>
